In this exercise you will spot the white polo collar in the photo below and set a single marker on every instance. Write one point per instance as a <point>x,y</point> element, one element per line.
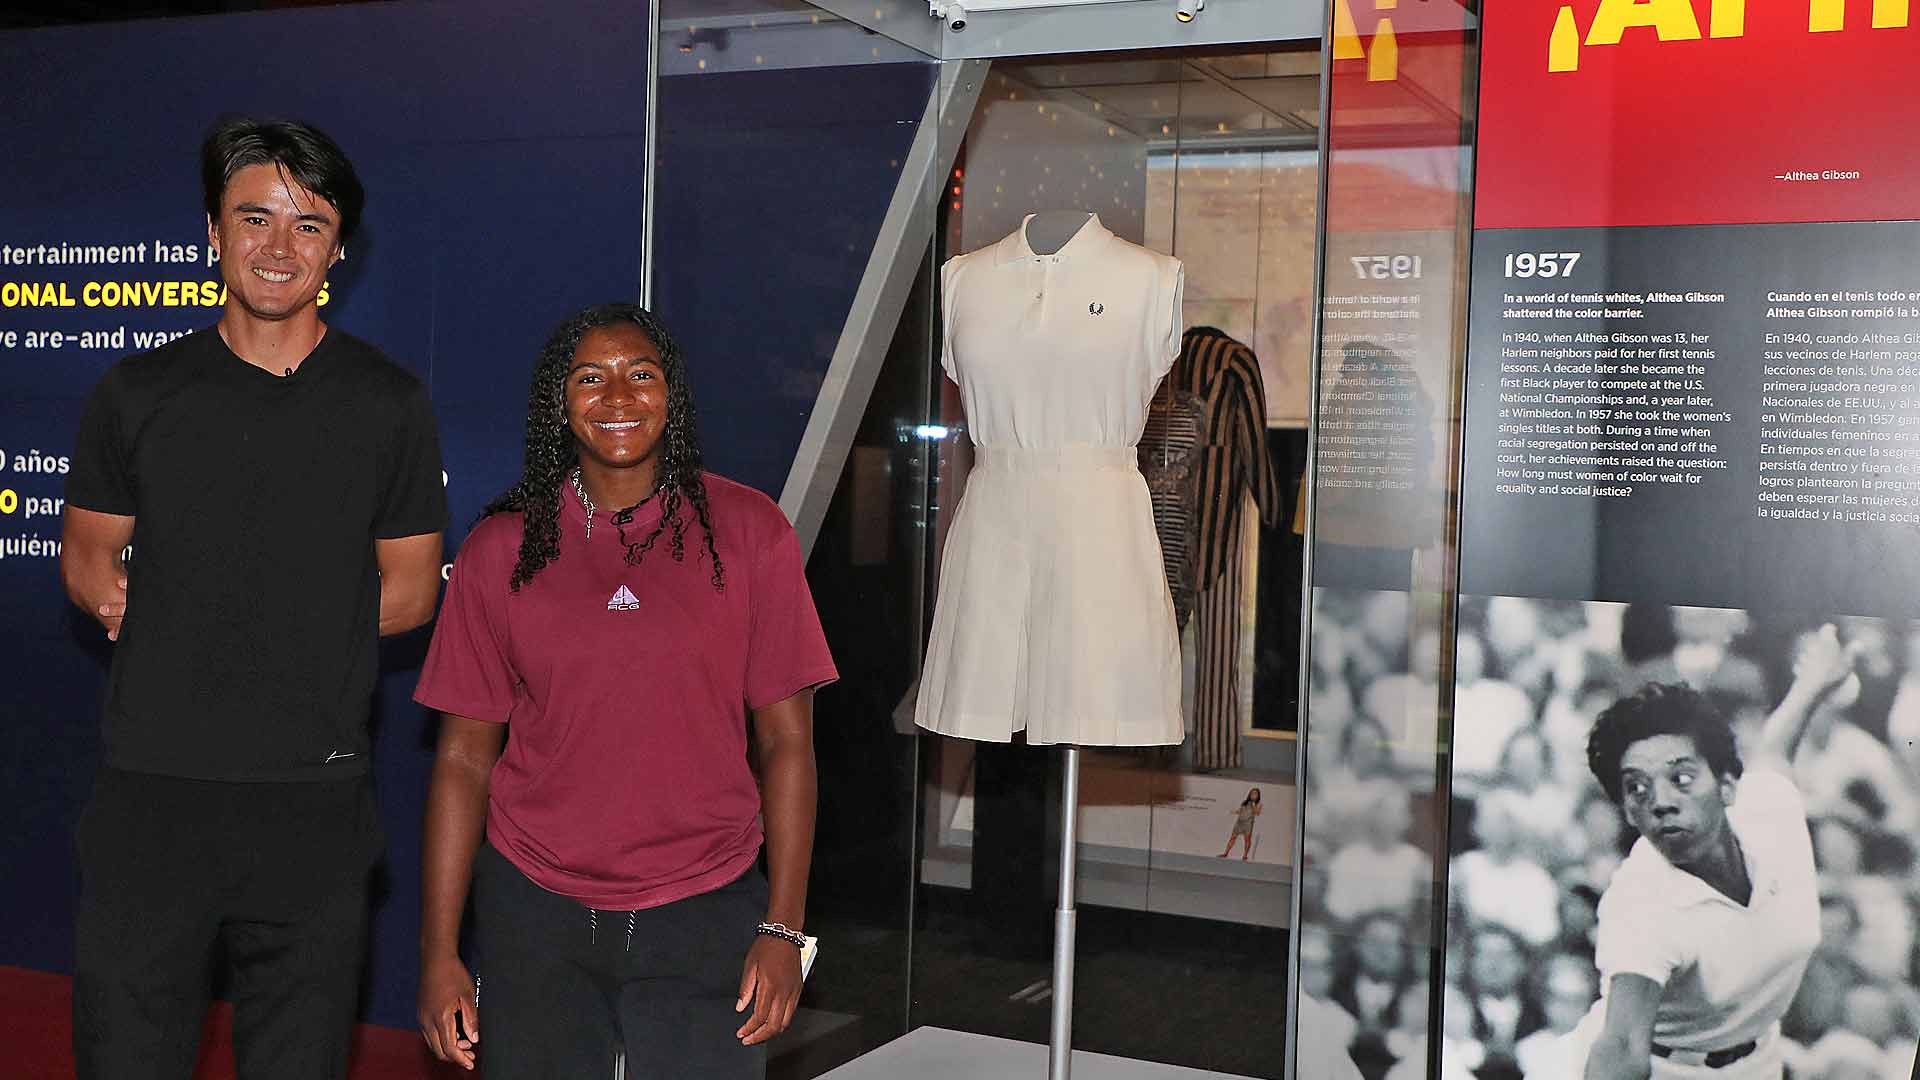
<point>1014,247</point>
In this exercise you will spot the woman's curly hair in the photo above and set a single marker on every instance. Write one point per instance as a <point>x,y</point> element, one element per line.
<point>1660,709</point>
<point>552,453</point>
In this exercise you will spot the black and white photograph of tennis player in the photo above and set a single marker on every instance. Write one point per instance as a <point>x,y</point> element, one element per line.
<point>1691,855</point>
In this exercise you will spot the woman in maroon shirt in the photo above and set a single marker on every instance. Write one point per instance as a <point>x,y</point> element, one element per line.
<point>598,695</point>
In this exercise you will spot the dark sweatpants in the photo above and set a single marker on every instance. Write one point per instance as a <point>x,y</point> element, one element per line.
<point>170,868</point>
<point>563,988</point>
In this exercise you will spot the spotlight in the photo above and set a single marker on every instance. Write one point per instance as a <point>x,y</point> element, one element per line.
<point>1187,9</point>
<point>952,11</point>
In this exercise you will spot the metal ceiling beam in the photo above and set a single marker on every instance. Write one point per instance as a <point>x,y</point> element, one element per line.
<point>1144,24</point>
<point>1084,28</point>
<point>868,332</point>
<point>1207,72</point>
<point>1272,139</point>
<point>905,21</point>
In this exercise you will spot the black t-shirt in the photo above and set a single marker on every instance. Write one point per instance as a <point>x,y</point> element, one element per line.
<point>250,643</point>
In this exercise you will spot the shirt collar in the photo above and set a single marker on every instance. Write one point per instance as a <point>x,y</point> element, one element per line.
<point>1014,248</point>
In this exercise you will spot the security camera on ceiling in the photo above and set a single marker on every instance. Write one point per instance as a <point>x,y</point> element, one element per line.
<point>954,12</point>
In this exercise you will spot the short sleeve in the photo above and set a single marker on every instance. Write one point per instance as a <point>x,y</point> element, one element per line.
<point>468,671</point>
<point>413,495</point>
<point>1769,810</point>
<point>1637,935</point>
<point>786,649</point>
<point>947,278</point>
<point>1169,319</point>
<point>100,477</point>
<point>1768,802</point>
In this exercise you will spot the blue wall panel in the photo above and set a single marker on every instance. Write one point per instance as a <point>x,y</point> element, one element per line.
<point>502,148</point>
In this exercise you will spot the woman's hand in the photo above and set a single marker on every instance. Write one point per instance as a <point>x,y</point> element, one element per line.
<point>1824,665</point>
<point>447,992</point>
<point>1823,683</point>
<point>456,817</point>
<point>770,982</point>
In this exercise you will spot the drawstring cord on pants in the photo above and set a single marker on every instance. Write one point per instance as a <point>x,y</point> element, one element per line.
<point>593,927</point>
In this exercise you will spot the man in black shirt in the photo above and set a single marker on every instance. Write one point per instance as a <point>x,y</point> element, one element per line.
<point>279,482</point>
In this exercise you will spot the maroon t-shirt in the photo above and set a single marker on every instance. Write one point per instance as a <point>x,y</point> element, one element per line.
<point>624,783</point>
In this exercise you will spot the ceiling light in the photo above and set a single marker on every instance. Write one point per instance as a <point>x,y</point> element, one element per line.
<point>954,12</point>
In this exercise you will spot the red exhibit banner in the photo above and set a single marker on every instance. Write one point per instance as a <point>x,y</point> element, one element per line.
<point>1671,112</point>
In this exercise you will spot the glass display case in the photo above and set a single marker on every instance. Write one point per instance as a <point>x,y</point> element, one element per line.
<point>1374,793</point>
<point>822,169</point>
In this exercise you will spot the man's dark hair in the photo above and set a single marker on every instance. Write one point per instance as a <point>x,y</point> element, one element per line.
<point>552,453</point>
<point>302,151</point>
<point>1660,709</point>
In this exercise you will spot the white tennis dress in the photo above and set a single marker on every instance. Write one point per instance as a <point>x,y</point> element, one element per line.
<point>1053,614</point>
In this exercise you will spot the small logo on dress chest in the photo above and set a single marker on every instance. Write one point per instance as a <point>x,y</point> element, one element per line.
<point>1096,308</point>
<point>623,600</point>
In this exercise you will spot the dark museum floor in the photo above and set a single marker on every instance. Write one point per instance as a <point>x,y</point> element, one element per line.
<point>1192,992</point>
<point>1183,991</point>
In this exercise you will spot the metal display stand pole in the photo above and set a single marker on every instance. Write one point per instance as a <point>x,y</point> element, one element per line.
<point>1060,1037</point>
<point>651,165</point>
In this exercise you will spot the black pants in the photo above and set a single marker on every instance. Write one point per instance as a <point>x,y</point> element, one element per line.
<point>563,988</point>
<point>170,870</point>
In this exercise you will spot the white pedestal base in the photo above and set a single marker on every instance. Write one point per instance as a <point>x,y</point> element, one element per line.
<point>931,1053</point>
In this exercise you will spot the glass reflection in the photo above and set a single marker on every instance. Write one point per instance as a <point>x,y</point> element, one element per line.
<point>783,134</point>
<point>1375,804</point>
